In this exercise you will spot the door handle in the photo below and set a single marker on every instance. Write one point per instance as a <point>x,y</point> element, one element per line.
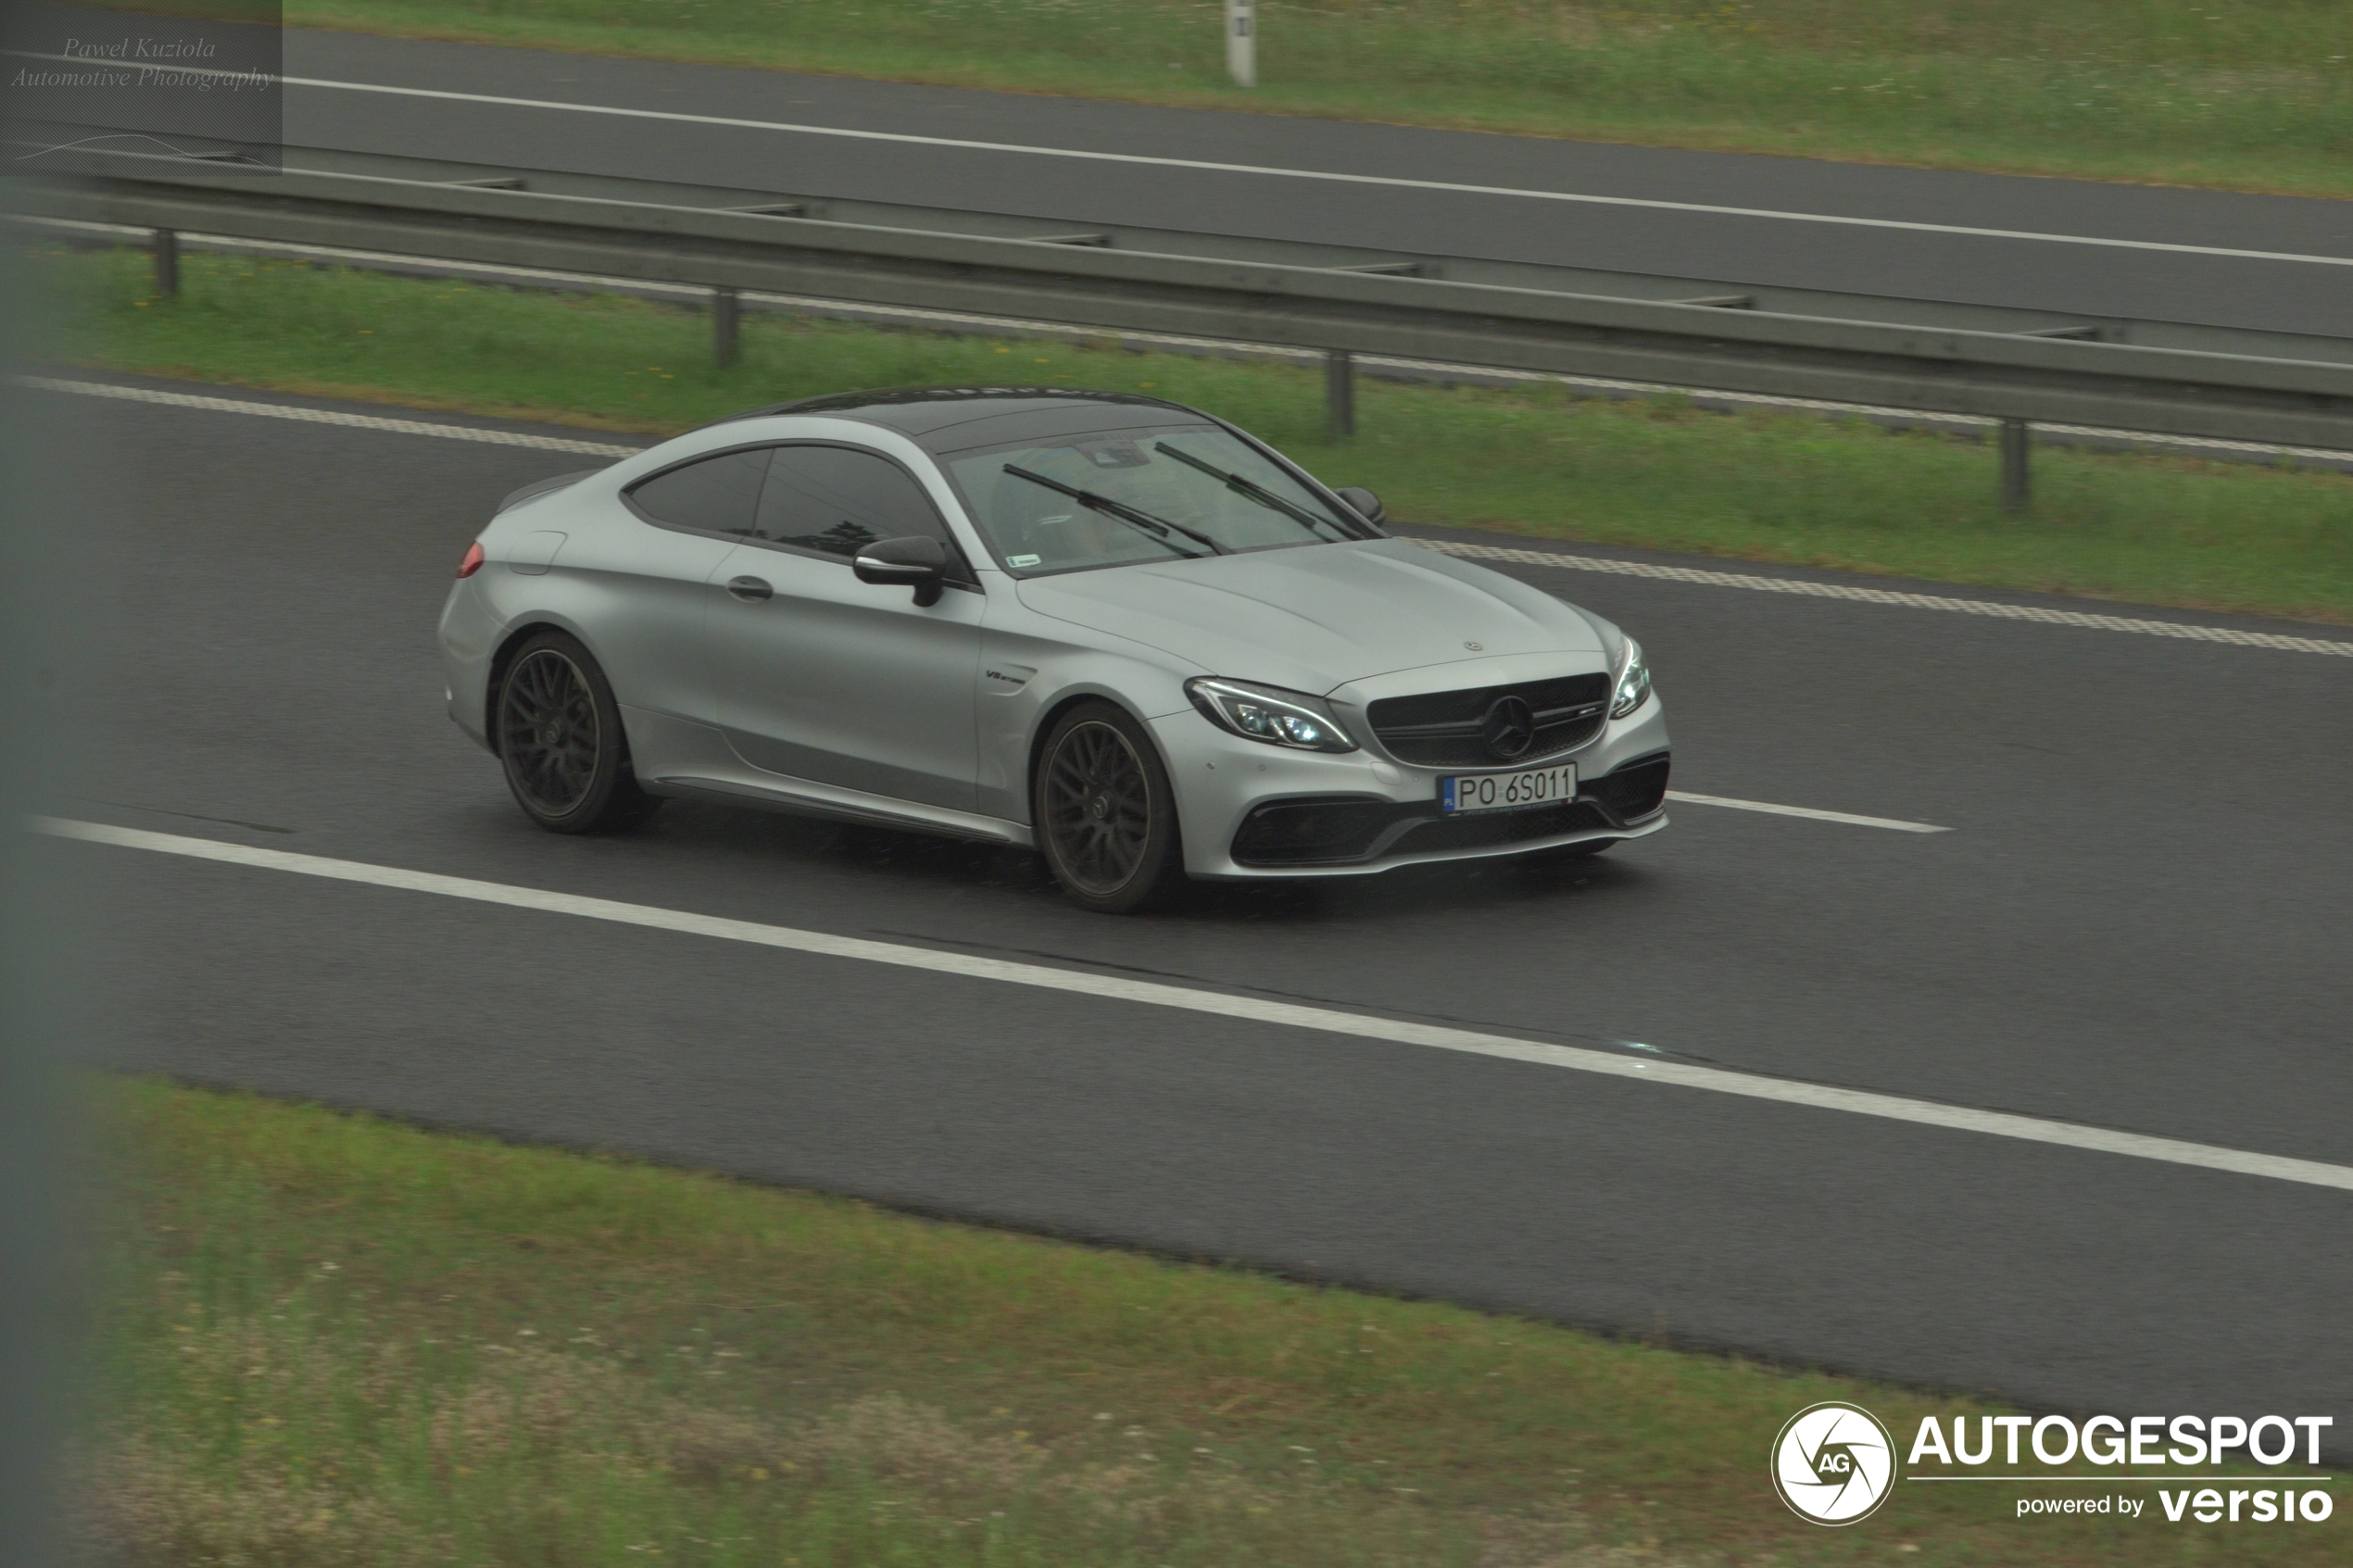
<point>751,590</point>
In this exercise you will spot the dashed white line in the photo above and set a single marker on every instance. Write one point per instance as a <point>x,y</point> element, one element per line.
<point>512,438</point>
<point>1850,819</point>
<point>1570,562</point>
<point>1107,987</point>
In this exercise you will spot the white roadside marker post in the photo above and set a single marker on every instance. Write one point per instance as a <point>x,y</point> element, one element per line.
<point>1241,41</point>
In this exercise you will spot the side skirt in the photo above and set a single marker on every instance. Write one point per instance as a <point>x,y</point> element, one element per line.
<point>803,797</point>
<point>687,760</point>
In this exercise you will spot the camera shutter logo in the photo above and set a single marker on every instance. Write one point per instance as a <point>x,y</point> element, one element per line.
<point>1834,1463</point>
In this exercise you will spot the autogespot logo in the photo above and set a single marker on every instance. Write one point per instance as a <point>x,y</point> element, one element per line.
<point>1834,1463</point>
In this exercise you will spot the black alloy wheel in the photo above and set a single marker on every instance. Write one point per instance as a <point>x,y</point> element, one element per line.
<point>559,733</point>
<point>1106,818</point>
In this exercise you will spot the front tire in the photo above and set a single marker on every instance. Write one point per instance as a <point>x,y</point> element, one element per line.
<point>561,739</point>
<point>1106,815</point>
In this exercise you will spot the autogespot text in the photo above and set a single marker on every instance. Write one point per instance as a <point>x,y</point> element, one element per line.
<point>2189,1442</point>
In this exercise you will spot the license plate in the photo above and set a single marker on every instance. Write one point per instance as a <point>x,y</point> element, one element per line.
<point>1508,792</point>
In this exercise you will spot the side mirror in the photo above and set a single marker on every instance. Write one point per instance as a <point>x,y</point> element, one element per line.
<point>1367,505</point>
<point>914,562</point>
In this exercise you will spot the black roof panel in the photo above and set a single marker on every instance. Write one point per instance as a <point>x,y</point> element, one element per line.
<point>952,418</point>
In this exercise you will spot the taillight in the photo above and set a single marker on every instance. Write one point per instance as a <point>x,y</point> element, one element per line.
<point>472,563</point>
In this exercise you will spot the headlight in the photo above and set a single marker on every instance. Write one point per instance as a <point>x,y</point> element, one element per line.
<point>1634,681</point>
<point>1268,713</point>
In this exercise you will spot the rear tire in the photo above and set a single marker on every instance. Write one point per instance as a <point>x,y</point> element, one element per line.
<point>561,739</point>
<point>1106,815</point>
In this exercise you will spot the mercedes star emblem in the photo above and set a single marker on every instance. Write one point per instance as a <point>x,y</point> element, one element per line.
<point>1509,727</point>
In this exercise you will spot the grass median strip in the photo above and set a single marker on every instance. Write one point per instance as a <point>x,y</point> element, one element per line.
<point>1657,473</point>
<point>2253,96</point>
<point>327,1339</point>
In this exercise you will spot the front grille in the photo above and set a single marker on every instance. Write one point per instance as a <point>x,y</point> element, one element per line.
<point>1452,729</point>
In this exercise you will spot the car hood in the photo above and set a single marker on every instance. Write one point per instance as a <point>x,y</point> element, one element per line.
<point>1320,616</point>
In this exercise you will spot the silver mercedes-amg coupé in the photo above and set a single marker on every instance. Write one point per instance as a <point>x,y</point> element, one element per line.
<point>1117,630</point>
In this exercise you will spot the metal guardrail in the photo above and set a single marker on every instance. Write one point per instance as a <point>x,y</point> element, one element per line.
<point>2300,393</point>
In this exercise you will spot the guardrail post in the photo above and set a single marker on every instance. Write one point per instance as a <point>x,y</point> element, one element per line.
<point>166,248</point>
<point>2015,444</point>
<point>724,315</point>
<point>1340,393</point>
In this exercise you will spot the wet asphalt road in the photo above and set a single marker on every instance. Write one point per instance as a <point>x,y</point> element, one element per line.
<point>2137,921</point>
<point>2242,290</point>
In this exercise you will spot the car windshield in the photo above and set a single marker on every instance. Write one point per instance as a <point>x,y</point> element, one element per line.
<point>1137,495</point>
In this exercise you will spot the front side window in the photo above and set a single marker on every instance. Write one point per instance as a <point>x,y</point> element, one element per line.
<point>717,495</point>
<point>836,500</point>
<point>1139,496</point>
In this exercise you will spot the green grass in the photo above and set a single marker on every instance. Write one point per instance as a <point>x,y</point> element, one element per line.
<point>1799,489</point>
<point>328,1340</point>
<point>2249,93</point>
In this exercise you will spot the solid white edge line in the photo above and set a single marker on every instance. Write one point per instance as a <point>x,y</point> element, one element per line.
<point>1392,181</point>
<point>1564,560</point>
<point>1894,1107</point>
<point>1893,823</point>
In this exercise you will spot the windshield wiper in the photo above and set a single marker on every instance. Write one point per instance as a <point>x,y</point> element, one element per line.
<point>1252,490</point>
<point>1159,528</point>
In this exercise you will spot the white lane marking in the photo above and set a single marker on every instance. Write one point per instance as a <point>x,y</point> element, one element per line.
<point>1896,824</point>
<point>1391,181</point>
<point>326,416</point>
<point>1858,1102</point>
<point>1566,561</point>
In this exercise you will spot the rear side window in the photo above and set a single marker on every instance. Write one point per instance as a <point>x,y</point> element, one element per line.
<point>836,500</point>
<point>718,495</point>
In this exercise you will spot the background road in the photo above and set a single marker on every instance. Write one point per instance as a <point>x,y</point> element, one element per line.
<point>2137,921</point>
<point>2242,291</point>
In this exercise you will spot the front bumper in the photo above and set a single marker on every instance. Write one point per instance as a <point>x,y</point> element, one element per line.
<point>1251,810</point>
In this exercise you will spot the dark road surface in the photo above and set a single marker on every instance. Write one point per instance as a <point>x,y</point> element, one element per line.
<point>2215,261</point>
<point>2137,921</point>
